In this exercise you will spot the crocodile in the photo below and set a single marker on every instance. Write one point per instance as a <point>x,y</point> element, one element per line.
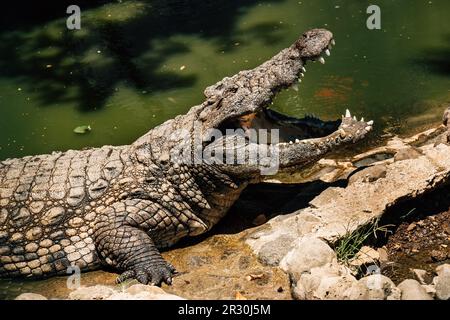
<point>116,207</point>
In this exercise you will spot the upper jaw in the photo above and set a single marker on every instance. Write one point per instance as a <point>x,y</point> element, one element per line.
<point>314,43</point>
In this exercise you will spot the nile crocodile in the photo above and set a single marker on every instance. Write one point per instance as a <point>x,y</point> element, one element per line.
<point>116,206</point>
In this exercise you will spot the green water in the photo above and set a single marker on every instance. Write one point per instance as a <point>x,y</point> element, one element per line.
<point>135,64</point>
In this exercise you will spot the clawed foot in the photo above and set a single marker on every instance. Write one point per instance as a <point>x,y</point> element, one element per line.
<point>150,274</point>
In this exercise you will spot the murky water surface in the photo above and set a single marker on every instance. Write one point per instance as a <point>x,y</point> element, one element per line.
<point>135,64</point>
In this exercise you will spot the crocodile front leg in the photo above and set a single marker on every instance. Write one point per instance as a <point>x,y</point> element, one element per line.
<point>121,235</point>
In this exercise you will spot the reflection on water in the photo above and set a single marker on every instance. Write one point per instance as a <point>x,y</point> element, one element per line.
<point>136,64</point>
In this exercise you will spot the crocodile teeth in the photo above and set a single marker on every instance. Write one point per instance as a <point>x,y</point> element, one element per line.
<point>348,114</point>
<point>354,118</point>
<point>362,119</point>
<point>322,60</point>
<point>299,80</point>
<point>333,42</point>
<point>327,52</point>
<point>290,142</point>
<point>303,69</point>
<point>297,141</point>
<point>370,122</point>
<point>294,87</point>
<point>368,128</point>
<point>302,75</point>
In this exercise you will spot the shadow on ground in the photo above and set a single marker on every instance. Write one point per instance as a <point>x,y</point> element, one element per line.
<point>279,199</point>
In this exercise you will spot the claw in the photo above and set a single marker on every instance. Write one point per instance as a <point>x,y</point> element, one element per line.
<point>172,268</point>
<point>168,280</point>
<point>142,277</point>
<point>129,274</point>
<point>153,274</point>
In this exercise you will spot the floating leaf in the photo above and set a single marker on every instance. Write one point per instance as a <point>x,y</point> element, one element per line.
<point>82,129</point>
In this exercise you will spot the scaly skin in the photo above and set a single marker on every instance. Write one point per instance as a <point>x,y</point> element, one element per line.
<point>117,206</point>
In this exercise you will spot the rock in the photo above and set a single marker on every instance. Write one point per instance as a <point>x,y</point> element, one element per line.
<point>30,296</point>
<point>306,254</point>
<point>442,282</point>
<point>272,252</point>
<point>133,292</point>
<point>341,288</point>
<point>412,290</point>
<point>139,288</point>
<point>380,287</point>
<point>331,281</point>
<point>97,292</point>
<point>383,254</point>
<point>366,255</point>
<point>127,296</point>
<point>443,269</point>
<point>430,289</point>
<point>309,281</point>
<point>143,295</point>
<point>369,174</point>
<point>420,275</point>
<point>407,153</point>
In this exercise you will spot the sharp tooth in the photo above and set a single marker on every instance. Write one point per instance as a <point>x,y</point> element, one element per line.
<point>362,119</point>
<point>299,80</point>
<point>322,60</point>
<point>368,128</point>
<point>303,69</point>
<point>290,142</point>
<point>327,52</point>
<point>370,122</point>
<point>295,87</point>
<point>333,42</point>
<point>354,118</point>
<point>348,114</point>
<point>297,141</point>
<point>302,75</point>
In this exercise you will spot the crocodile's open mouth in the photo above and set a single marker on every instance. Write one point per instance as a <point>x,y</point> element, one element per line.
<point>293,130</point>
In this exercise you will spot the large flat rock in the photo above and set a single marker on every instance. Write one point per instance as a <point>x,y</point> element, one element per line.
<point>409,172</point>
